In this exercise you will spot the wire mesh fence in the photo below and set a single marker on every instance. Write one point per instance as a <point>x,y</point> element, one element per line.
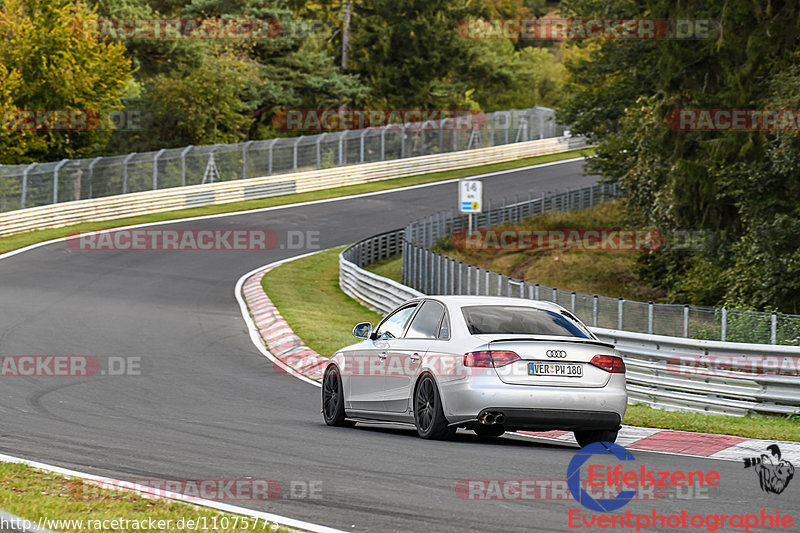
<point>37,184</point>
<point>433,273</point>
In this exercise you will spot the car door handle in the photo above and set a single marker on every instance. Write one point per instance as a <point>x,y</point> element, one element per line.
<point>382,355</point>
<point>415,357</point>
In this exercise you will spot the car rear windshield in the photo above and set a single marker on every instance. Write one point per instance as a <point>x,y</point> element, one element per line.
<point>519,320</point>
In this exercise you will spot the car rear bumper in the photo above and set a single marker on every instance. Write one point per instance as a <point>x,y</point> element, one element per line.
<point>536,407</point>
<point>567,419</point>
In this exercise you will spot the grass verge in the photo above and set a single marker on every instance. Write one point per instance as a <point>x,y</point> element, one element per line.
<point>307,294</point>
<point>35,495</point>
<point>12,242</point>
<point>607,272</point>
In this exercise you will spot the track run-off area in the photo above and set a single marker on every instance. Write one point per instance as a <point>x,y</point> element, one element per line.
<point>185,395</point>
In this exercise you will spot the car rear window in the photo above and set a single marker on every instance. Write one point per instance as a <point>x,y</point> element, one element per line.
<point>519,320</point>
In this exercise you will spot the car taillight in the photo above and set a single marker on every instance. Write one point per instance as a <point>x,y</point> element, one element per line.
<point>487,359</point>
<point>609,363</point>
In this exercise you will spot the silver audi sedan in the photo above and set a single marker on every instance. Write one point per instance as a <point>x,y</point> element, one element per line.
<point>486,364</point>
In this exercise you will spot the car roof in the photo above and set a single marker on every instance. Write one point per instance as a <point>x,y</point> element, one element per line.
<point>463,301</point>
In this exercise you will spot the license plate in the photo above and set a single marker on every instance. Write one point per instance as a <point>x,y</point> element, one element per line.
<point>570,370</point>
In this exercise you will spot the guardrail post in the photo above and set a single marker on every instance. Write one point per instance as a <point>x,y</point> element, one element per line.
<point>649,318</point>
<point>572,302</point>
<point>619,314</point>
<point>499,284</point>
<point>341,148</point>
<point>555,295</point>
<point>383,143</point>
<point>686,321</point>
<point>594,310</point>
<point>25,184</point>
<point>487,283</point>
<point>403,141</point>
<point>155,168</point>
<point>773,336</point>
<point>536,291</point>
<point>530,292</point>
<point>55,179</point>
<point>183,164</point>
<point>724,332</point>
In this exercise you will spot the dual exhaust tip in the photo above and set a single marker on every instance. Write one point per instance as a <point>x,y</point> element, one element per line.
<point>490,418</point>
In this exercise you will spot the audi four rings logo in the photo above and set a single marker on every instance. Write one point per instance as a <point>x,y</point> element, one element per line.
<point>556,353</point>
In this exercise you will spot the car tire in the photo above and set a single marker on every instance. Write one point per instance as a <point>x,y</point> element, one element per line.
<point>486,432</point>
<point>333,399</point>
<point>587,437</point>
<point>428,413</point>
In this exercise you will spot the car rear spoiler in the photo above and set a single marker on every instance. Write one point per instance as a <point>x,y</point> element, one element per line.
<point>555,339</point>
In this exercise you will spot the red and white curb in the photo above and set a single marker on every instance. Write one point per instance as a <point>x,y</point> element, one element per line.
<point>272,334</point>
<point>688,443</point>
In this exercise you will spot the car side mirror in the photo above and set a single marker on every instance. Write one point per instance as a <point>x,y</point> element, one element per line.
<point>363,330</point>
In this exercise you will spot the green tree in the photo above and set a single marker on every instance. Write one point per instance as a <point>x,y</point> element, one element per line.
<point>48,62</point>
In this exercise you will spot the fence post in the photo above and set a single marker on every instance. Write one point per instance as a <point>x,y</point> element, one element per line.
<point>724,332</point>
<point>383,143</point>
<point>619,314</point>
<point>91,175</point>
<point>25,184</point>
<point>245,147</point>
<point>55,179</point>
<point>341,148</point>
<point>183,164</point>
<point>361,158</point>
<point>155,168</point>
<point>650,318</point>
<point>125,172</point>
<point>594,310</point>
<point>686,321</point>
<point>294,153</point>
<point>774,329</point>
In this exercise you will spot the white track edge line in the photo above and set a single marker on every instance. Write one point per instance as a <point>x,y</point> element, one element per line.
<point>144,489</point>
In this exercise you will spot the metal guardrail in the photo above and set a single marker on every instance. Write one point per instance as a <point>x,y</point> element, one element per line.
<point>656,375</point>
<point>38,184</point>
<point>234,191</point>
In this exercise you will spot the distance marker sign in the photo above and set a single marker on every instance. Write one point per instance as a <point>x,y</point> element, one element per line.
<point>470,196</point>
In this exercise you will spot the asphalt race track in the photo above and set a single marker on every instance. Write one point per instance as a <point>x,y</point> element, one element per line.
<point>208,405</point>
